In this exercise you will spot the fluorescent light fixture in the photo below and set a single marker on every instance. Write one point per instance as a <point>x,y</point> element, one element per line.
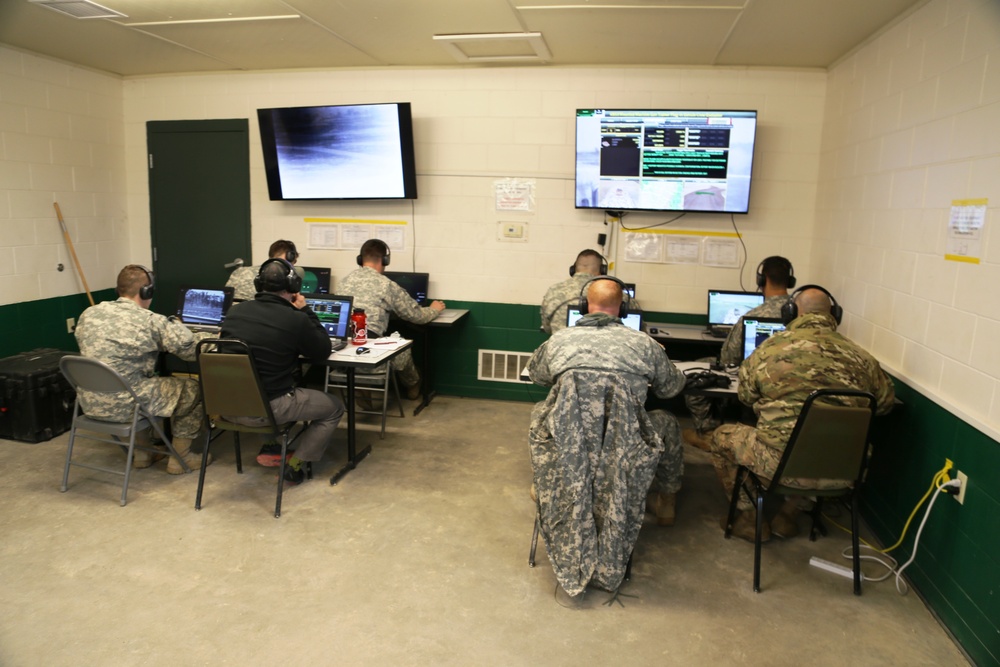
<point>79,9</point>
<point>495,47</point>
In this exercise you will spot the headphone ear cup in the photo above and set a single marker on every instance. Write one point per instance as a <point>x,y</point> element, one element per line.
<point>837,312</point>
<point>791,281</point>
<point>360,263</point>
<point>789,311</point>
<point>572,270</point>
<point>386,257</point>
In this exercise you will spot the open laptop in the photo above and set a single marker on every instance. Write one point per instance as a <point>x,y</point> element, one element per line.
<point>632,319</point>
<point>726,307</point>
<point>334,313</point>
<point>315,280</point>
<point>758,329</point>
<point>203,308</point>
<point>415,284</point>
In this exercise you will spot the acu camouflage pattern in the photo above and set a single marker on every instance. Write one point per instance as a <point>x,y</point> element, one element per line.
<point>129,339</point>
<point>700,407</point>
<point>558,300</point>
<point>776,380</point>
<point>381,298</point>
<point>592,470</point>
<point>591,481</point>
<point>241,280</point>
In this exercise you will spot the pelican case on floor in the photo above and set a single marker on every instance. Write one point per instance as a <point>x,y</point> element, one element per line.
<point>36,401</point>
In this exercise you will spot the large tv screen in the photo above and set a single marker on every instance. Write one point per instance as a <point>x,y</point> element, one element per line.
<point>664,160</point>
<point>357,151</point>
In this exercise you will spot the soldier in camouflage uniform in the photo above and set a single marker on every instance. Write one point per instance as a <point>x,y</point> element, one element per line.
<point>241,280</point>
<point>573,361</point>
<point>775,277</point>
<point>562,295</point>
<point>775,380</point>
<point>381,298</point>
<point>128,337</point>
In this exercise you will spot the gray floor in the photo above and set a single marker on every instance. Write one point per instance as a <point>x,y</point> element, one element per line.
<point>417,558</point>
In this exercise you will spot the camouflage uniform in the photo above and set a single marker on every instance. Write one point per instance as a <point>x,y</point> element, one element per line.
<point>130,338</point>
<point>241,280</point>
<point>591,482</point>
<point>558,300</point>
<point>731,355</point>
<point>777,378</point>
<point>381,298</point>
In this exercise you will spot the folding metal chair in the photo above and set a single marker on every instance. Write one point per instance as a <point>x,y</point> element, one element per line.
<point>96,377</point>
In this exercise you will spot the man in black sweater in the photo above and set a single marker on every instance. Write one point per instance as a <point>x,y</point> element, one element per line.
<point>280,328</point>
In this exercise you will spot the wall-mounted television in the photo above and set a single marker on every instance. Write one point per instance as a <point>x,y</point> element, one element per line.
<point>664,160</point>
<point>354,151</point>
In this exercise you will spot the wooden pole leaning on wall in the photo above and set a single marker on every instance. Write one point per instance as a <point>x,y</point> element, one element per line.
<point>72,252</point>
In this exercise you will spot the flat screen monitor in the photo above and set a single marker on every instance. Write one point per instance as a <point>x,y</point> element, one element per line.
<point>357,151</point>
<point>415,284</point>
<point>315,280</point>
<point>726,307</point>
<point>632,319</point>
<point>630,290</point>
<point>664,160</point>
<point>758,329</point>
<point>333,312</point>
<point>206,306</point>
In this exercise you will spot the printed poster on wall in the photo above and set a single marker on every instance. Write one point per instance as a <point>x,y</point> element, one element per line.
<point>965,230</point>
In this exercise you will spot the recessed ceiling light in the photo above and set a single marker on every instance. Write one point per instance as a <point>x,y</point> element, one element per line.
<point>496,47</point>
<point>79,9</point>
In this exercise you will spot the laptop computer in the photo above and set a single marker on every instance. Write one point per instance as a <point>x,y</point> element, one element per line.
<point>415,284</point>
<point>632,319</point>
<point>758,329</point>
<point>203,308</point>
<point>334,313</point>
<point>726,307</point>
<point>315,280</point>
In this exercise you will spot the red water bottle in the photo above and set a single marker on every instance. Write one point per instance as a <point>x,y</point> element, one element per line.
<point>360,322</point>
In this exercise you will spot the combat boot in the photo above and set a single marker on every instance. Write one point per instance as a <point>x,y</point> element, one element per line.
<point>784,524</point>
<point>695,438</point>
<point>183,447</point>
<point>142,458</point>
<point>663,506</point>
<point>745,526</point>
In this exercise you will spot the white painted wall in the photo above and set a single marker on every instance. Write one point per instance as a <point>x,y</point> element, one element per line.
<point>912,122</point>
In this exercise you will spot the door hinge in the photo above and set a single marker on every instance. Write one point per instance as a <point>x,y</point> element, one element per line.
<point>154,255</point>
<point>150,160</point>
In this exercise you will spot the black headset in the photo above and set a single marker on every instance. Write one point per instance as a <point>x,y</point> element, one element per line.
<point>291,255</point>
<point>623,308</point>
<point>762,279</point>
<point>604,265</point>
<point>291,281</point>
<point>386,254</point>
<point>790,309</point>
<point>147,290</point>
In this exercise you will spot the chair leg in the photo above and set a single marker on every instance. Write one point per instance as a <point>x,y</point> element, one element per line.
<point>756,542</point>
<point>534,541</point>
<point>238,451</point>
<point>855,541</point>
<point>385,399</point>
<point>281,475</point>
<point>128,463</point>
<point>201,473</point>
<point>395,390</point>
<point>69,452</point>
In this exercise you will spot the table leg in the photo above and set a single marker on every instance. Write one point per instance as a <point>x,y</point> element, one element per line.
<point>353,457</point>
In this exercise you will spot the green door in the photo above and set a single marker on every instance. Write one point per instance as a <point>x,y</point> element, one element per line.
<point>199,203</point>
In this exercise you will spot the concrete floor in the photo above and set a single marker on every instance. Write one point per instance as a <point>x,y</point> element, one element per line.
<point>418,557</point>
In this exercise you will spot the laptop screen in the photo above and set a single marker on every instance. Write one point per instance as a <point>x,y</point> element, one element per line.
<point>757,330</point>
<point>633,320</point>
<point>206,306</point>
<point>315,280</point>
<point>415,284</point>
<point>725,307</point>
<point>333,312</point>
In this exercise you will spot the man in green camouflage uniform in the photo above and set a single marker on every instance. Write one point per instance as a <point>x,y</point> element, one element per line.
<point>571,496</point>
<point>128,337</point>
<point>775,380</point>
<point>561,296</point>
<point>241,280</point>
<point>774,278</point>
<point>381,298</point>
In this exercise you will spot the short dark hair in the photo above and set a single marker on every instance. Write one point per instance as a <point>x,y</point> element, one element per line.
<point>131,279</point>
<point>374,250</point>
<point>777,270</point>
<point>283,249</point>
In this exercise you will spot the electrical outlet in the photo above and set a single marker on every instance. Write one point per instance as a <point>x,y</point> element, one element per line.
<point>964,479</point>
<point>70,324</point>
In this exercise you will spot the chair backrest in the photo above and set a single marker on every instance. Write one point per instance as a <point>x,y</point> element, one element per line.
<point>92,375</point>
<point>830,438</point>
<point>230,385</point>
